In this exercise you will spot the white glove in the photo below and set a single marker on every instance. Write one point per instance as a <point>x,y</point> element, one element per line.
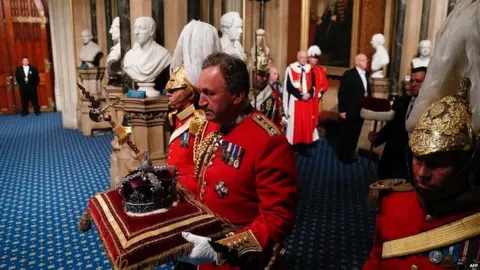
<point>202,251</point>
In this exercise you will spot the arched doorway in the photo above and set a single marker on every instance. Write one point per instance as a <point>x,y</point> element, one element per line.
<point>24,33</point>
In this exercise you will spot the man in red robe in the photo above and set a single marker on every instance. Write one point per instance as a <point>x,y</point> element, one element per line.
<point>321,81</point>
<point>298,102</point>
<point>434,224</point>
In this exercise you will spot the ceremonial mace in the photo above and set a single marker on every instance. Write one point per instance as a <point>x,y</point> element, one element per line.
<point>98,114</point>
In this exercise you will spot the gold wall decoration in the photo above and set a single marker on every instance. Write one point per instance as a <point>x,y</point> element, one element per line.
<point>42,20</point>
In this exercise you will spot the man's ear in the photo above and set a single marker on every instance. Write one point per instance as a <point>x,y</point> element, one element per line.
<point>237,99</point>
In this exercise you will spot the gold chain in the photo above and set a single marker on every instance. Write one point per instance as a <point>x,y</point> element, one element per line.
<point>203,149</point>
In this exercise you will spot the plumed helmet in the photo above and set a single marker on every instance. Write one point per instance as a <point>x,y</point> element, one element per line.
<point>197,41</point>
<point>261,58</point>
<point>314,51</point>
<point>445,126</point>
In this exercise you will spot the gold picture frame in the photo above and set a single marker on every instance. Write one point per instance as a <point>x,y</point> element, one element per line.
<point>305,30</point>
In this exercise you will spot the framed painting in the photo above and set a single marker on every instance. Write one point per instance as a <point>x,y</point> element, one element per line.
<point>333,26</point>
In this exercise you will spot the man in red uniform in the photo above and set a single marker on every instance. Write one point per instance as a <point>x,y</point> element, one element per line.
<point>183,96</point>
<point>436,223</point>
<point>246,172</point>
<point>264,97</point>
<point>321,81</point>
<point>299,91</point>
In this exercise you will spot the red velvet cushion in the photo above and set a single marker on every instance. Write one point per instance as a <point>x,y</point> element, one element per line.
<point>137,242</point>
<point>376,104</point>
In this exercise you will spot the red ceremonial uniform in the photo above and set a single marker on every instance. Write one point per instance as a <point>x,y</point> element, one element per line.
<point>401,216</point>
<point>258,195</point>
<point>180,150</point>
<point>299,80</point>
<point>321,86</point>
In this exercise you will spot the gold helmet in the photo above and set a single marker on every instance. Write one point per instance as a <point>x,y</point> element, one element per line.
<point>178,80</point>
<point>445,126</point>
<point>262,66</point>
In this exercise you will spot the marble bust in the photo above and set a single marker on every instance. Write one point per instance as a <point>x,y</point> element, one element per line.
<point>380,57</point>
<point>89,54</point>
<point>424,51</point>
<point>147,59</point>
<point>231,27</point>
<point>260,37</point>
<point>113,58</point>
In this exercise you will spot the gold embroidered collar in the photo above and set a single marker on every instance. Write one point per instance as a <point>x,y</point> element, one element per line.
<point>186,113</point>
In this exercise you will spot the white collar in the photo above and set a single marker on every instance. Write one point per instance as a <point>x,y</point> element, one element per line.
<point>298,68</point>
<point>360,71</point>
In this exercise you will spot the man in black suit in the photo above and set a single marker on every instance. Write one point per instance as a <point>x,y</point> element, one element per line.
<point>354,87</point>
<point>28,80</point>
<point>393,163</point>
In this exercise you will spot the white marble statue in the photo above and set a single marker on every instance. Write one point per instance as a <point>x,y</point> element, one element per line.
<point>380,57</point>
<point>115,55</point>
<point>115,52</point>
<point>231,28</point>
<point>424,51</point>
<point>147,59</point>
<point>89,51</point>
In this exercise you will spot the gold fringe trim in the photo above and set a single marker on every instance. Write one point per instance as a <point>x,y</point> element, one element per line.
<point>85,222</point>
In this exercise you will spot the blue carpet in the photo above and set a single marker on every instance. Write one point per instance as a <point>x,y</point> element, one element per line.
<point>49,173</point>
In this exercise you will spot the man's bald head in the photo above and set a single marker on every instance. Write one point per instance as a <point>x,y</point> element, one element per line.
<point>361,61</point>
<point>302,57</point>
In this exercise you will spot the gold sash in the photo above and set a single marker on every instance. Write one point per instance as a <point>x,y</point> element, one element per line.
<point>445,235</point>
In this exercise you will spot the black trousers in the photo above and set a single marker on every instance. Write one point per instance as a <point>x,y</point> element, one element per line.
<point>29,94</point>
<point>348,138</point>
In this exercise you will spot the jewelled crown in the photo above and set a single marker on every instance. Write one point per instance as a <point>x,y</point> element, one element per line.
<point>445,126</point>
<point>148,188</point>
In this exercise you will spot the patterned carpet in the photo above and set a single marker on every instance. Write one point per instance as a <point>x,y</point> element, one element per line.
<point>48,174</point>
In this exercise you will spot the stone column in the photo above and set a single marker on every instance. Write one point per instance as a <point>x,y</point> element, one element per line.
<point>108,22</point>
<point>158,11</point>
<point>148,118</point>
<point>125,40</point>
<point>411,36</point>
<point>64,57</point>
<point>397,46</point>
<point>193,10</point>
<point>93,19</point>
<point>438,14</point>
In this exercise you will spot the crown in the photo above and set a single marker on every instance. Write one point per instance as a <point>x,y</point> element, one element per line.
<point>148,188</point>
<point>445,126</point>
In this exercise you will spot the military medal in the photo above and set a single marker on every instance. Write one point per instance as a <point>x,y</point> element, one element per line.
<point>223,155</point>
<point>221,189</point>
<point>232,154</point>
<point>238,157</point>
<point>184,138</point>
<point>435,256</point>
<point>448,260</point>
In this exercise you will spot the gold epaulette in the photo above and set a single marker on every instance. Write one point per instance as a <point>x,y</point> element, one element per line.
<point>243,242</point>
<point>266,124</point>
<point>196,122</point>
<point>384,187</point>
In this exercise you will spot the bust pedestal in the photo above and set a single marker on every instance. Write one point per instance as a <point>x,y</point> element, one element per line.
<point>380,89</point>
<point>148,88</point>
<point>91,79</point>
<point>148,120</point>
